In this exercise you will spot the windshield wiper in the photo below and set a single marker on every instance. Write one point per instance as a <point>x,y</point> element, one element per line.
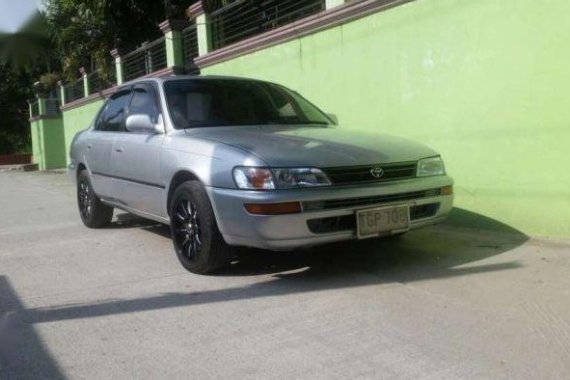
<point>316,122</point>
<point>298,122</point>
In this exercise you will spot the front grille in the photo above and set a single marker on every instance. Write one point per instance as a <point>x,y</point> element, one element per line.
<point>347,175</point>
<point>351,202</point>
<point>348,222</point>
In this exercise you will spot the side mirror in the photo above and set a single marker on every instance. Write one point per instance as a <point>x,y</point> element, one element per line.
<point>333,117</point>
<point>143,124</point>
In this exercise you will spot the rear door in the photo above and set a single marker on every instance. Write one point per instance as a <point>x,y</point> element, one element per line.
<point>108,126</point>
<point>136,157</point>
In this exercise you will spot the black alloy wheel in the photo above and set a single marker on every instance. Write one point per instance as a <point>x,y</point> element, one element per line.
<point>93,212</point>
<point>186,225</point>
<point>198,243</point>
<point>84,198</point>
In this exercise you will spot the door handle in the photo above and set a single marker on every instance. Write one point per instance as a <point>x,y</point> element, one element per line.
<point>89,146</point>
<point>119,149</point>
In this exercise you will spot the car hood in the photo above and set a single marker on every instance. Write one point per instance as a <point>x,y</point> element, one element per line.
<point>316,146</point>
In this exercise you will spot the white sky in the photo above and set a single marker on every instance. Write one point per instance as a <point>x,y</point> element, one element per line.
<point>13,13</point>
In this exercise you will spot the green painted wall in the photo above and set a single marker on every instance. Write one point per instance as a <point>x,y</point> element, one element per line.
<point>484,82</point>
<point>37,148</point>
<point>48,143</point>
<point>77,119</point>
<point>53,139</point>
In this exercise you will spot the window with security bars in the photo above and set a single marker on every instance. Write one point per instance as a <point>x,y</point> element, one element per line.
<point>52,107</point>
<point>74,90</point>
<point>100,80</point>
<point>147,59</point>
<point>242,19</point>
<point>190,48</point>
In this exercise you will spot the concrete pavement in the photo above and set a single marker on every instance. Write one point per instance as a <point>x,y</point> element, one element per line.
<point>470,299</point>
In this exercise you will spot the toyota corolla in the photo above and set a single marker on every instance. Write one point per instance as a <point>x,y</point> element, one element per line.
<point>229,162</point>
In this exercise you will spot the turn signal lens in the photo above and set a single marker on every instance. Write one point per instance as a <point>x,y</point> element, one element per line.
<point>252,178</point>
<point>273,208</point>
<point>447,190</point>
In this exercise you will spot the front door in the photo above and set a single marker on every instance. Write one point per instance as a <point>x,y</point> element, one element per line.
<point>101,140</point>
<point>136,158</point>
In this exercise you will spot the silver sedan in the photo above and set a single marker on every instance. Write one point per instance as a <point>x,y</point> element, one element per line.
<point>231,162</point>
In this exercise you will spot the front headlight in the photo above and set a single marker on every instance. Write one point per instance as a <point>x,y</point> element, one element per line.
<point>250,178</point>
<point>430,167</point>
<point>300,177</point>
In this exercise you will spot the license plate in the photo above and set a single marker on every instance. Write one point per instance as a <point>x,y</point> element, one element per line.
<point>382,220</point>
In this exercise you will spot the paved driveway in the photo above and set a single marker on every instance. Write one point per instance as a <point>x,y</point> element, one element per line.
<point>446,302</point>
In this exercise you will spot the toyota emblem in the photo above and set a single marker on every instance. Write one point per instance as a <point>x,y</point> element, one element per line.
<point>377,172</point>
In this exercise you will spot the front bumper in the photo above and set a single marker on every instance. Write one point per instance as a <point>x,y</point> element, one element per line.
<point>286,232</point>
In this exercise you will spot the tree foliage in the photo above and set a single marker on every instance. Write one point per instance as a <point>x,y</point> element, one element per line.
<point>31,47</point>
<point>14,127</point>
<point>87,30</point>
<point>67,35</point>
<point>24,56</point>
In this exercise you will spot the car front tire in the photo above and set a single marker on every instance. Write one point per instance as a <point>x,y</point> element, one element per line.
<point>198,243</point>
<point>94,214</point>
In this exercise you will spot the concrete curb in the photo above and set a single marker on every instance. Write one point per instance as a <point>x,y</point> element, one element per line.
<point>22,168</point>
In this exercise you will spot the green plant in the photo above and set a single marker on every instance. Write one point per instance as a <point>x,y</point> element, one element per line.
<point>48,82</point>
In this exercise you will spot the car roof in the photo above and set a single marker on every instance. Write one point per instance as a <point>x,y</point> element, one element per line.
<point>163,79</point>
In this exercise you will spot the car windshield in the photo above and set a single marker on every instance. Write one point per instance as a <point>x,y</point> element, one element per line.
<point>222,102</point>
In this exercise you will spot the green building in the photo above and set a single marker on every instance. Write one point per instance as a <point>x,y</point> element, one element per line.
<point>483,82</point>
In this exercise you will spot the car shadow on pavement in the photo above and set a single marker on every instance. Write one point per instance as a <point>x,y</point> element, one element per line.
<point>465,237</point>
<point>124,220</point>
<point>451,249</point>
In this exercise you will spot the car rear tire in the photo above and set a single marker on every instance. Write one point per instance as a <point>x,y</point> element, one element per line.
<point>197,240</point>
<point>93,212</point>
